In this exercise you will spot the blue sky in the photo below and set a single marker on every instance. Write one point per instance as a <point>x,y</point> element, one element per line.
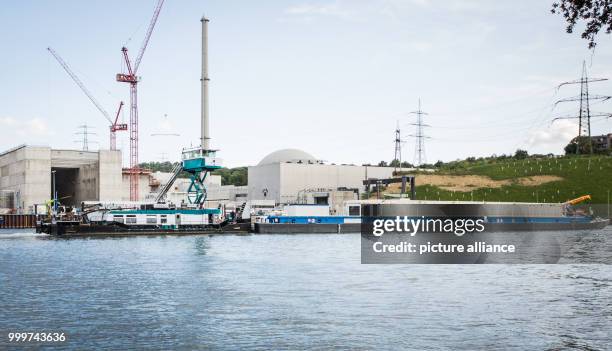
<point>329,77</point>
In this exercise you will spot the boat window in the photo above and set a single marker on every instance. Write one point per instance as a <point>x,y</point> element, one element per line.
<point>130,219</point>
<point>151,219</point>
<point>118,218</point>
<point>354,211</point>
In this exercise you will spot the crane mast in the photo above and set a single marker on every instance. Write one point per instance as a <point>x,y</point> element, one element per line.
<point>132,79</point>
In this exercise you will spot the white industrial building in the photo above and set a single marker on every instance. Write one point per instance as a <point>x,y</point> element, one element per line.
<point>294,176</point>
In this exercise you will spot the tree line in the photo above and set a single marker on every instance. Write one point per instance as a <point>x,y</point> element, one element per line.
<point>229,176</point>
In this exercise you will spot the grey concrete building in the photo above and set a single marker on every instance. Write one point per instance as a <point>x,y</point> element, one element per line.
<point>285,175</point>
<point>602,143</point>
<point>26,173</point>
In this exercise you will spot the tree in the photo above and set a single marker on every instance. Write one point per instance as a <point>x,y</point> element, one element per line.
<point>395,163</point>
<point>382,164</point>
<point>596,13</point>
<point>582,143</point>
<point>233,176</point>
<point>521,154</point>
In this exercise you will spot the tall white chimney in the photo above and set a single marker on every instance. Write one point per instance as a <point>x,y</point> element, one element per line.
<point>205,136</point>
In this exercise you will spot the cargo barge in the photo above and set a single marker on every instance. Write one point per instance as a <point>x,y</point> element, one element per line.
<point>496,216</point>
<point>153,219</point>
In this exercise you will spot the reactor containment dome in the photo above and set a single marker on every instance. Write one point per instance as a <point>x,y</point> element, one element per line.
<point>289,156</point>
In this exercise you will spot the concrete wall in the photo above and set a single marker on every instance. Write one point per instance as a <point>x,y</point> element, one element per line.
<point>72,158</point>
<point>87,187</point>
<point>285,181</point>
<point>26,171</point>
<point>144,187</point>
<point>299,177</point>
<point>38,177</point>
<point>264,177</point>
<point>109,175</point>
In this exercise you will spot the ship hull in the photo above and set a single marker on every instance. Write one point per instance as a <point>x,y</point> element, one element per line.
<point>295,228</point>
<point>73,229</point>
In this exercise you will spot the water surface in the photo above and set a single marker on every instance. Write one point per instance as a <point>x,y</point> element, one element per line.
<point>293,292</point>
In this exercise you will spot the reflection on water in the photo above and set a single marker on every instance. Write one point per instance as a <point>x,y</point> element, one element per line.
<point>296,292</point>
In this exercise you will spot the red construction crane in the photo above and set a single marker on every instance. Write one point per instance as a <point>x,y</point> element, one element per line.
<point>131,78</point>
<point>114,126</point>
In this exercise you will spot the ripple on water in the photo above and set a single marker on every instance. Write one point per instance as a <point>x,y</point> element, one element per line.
<point>297,291</point>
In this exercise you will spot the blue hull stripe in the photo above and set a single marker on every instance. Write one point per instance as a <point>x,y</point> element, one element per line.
<point>489,219</point>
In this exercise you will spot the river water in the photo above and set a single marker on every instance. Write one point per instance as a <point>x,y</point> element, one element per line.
<point>275,292</point>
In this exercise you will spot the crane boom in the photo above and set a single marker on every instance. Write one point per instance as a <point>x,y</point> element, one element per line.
<point>78,82</point>
<point>578,200</point>
<point>145,42</point>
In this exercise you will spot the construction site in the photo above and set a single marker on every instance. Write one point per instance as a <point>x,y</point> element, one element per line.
<point>36,179</point>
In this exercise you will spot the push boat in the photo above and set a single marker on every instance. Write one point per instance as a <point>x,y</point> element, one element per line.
<point>141,219</point>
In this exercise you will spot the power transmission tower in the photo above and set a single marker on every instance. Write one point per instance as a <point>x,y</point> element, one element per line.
<point>163,157</point>
<point>85,132</point>
<point>398,148</point>
<point>419,150</point>
<point>584,113</point>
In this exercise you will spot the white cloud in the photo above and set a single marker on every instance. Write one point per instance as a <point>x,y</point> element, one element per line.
<point>556,136</point>
<point>36,126</point>
<point>7,121</point>
<point>25,127</point>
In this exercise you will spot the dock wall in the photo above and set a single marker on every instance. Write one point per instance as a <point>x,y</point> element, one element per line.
<point>17,221</point>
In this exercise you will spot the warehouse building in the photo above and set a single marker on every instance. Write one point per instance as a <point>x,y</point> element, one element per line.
<point>26,174</point>
<point>294,176</point>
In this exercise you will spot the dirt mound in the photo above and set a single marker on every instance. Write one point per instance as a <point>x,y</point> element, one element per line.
<point>473,182</point>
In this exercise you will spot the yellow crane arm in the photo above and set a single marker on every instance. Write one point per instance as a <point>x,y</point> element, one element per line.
<point>578,200</point>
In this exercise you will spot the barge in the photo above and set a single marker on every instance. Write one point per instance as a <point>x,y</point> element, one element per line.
<point>496,216</point>
<point>144,219</point>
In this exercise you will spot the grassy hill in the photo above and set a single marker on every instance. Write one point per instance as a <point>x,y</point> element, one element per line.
<point>580,175</point>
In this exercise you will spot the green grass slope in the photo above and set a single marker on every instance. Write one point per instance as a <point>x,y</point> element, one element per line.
<point>581,175</point>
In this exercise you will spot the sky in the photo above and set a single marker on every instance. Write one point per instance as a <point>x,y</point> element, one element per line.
<point>330,77</point>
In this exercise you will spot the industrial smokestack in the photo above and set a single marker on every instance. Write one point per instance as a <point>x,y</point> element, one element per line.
<point>205,136</point>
